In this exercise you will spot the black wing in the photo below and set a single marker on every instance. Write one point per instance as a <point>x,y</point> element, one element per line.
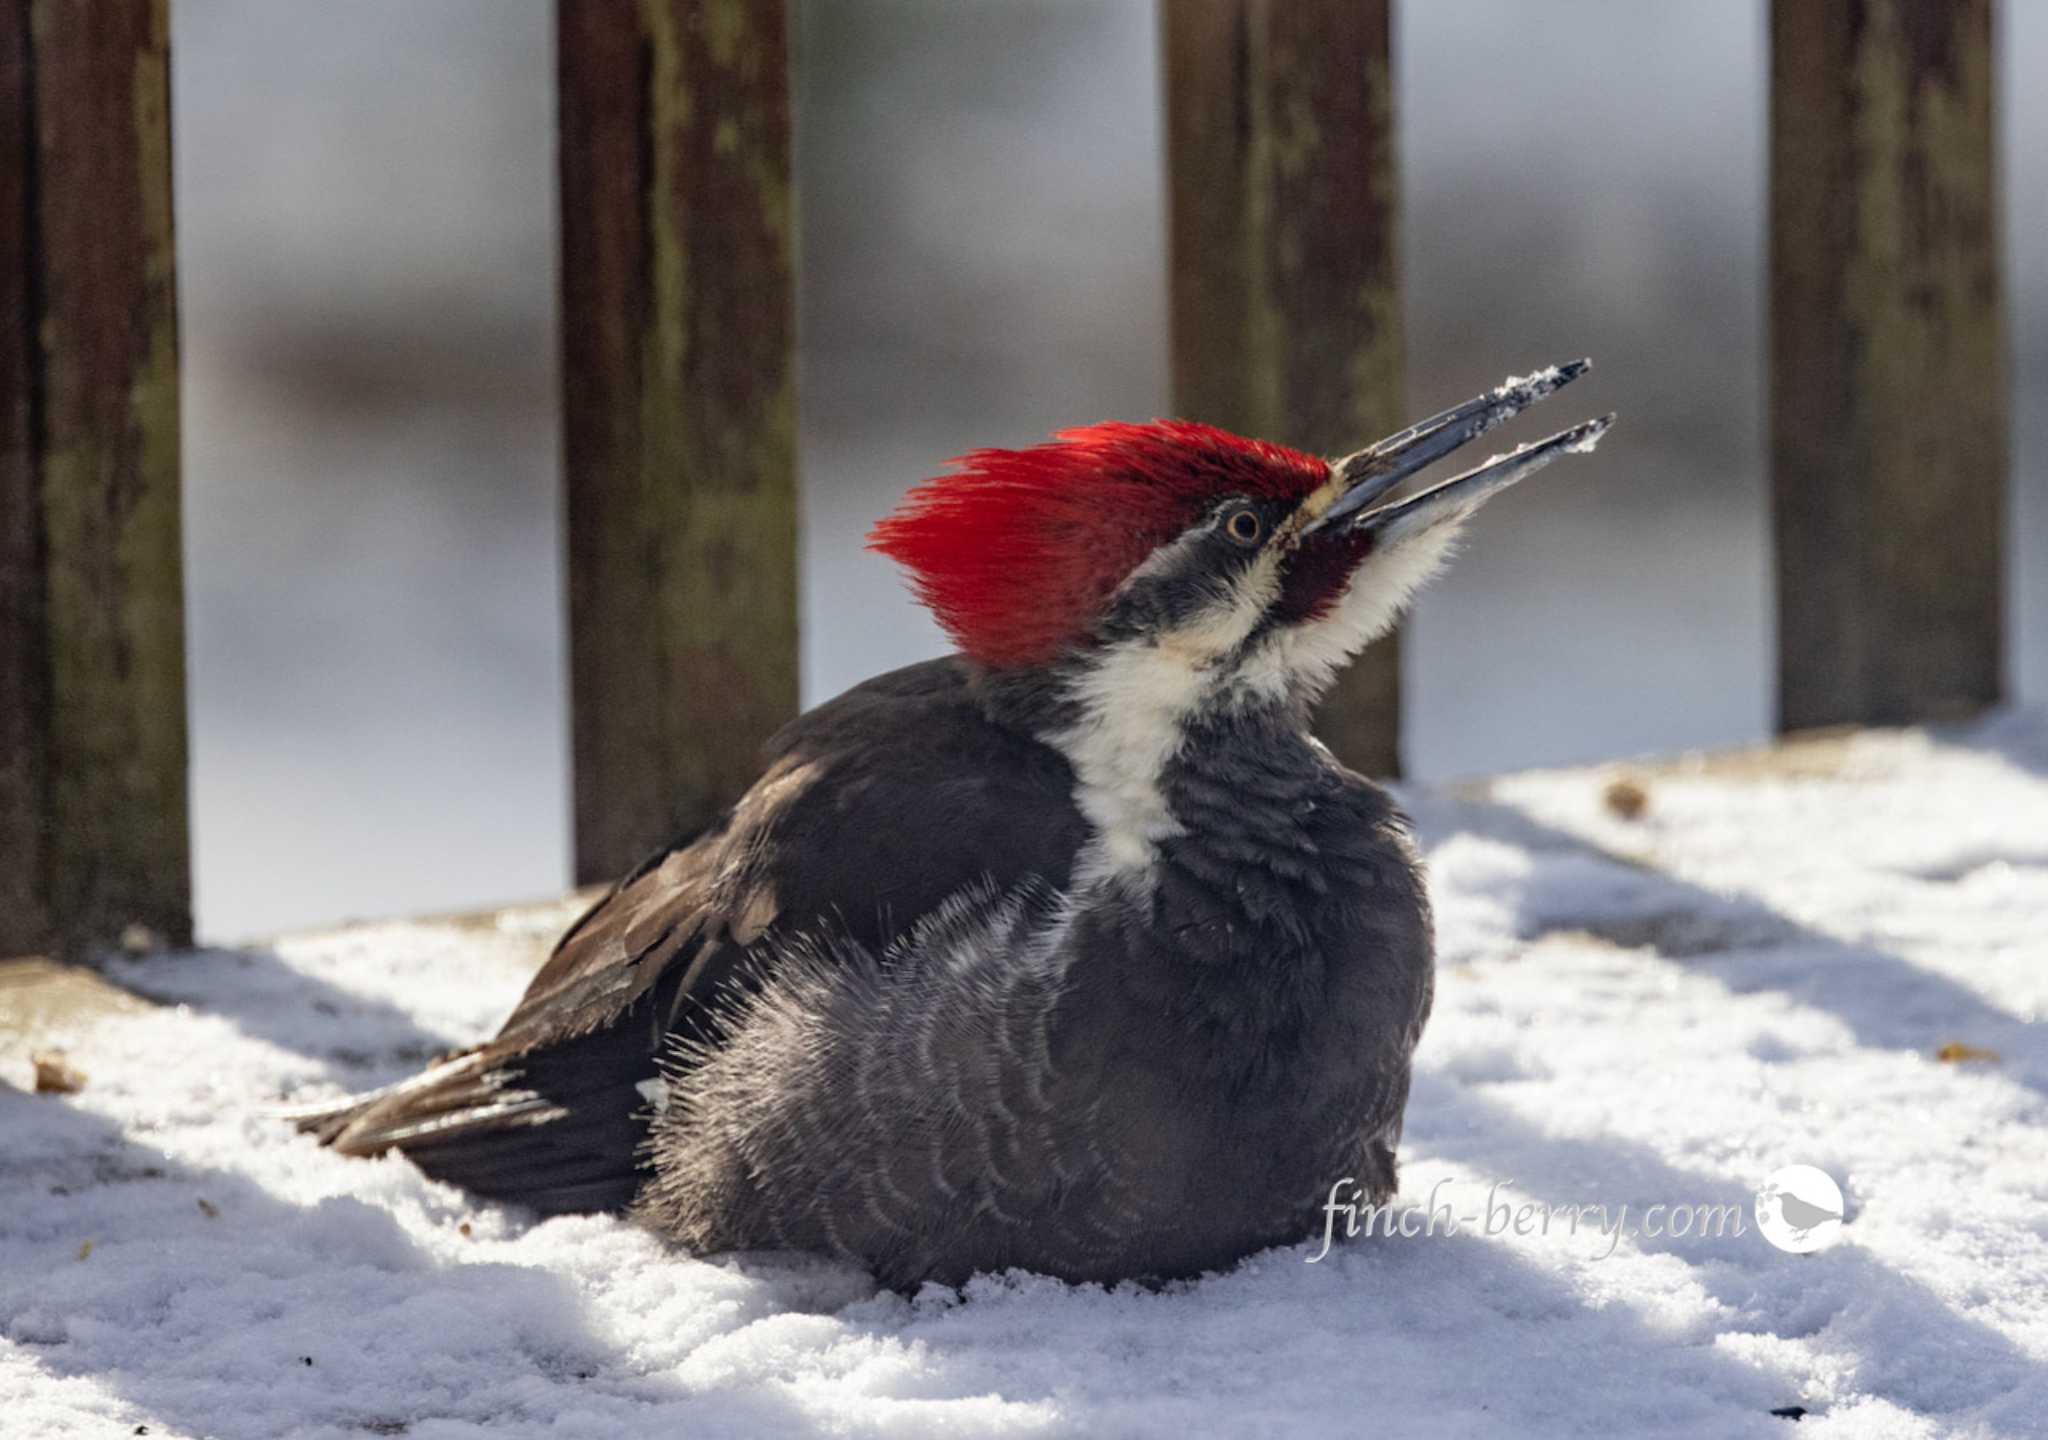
<point>873,809</point>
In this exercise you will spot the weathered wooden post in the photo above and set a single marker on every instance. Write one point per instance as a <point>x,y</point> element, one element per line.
<point>1888,379</point>
<point>1286,304</point>
<point>93,834</point>
<point>678,358</point>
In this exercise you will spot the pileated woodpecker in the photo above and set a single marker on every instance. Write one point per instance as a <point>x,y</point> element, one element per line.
<point>1073,951</point>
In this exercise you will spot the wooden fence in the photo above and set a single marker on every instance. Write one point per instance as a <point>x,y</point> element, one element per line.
<point>1888,412</point>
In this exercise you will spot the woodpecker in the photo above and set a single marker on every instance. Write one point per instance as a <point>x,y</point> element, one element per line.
<point>1072,951</point>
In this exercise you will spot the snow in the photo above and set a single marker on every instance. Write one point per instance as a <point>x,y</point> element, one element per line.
<point>1589,437</point>
<point>1758,970</point>
<point>1544,380</point>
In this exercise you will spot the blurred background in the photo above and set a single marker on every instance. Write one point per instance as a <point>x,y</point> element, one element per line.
<point>366,228</point>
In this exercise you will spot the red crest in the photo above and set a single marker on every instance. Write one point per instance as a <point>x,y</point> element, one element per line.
<point>1015,551</point>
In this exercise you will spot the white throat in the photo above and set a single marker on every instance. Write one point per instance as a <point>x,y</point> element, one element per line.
<point>1303,660</point>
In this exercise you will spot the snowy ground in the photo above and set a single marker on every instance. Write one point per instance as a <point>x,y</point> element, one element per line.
<point>1761,968</point>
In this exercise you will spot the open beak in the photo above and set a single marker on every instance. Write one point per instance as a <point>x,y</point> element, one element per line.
<point>1373,473</point>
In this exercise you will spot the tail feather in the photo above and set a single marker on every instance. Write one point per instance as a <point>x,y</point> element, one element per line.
<point>375,1121</point>
<point>532,1131</point>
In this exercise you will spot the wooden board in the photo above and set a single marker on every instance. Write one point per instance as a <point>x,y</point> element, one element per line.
<point>93,816</point>
<point>1888,401</point>
<point>679,410</point>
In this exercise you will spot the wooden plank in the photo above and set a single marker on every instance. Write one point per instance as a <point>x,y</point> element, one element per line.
<point>42,1002</point>
<point>92,663</point>
<point>1888,380</point>
<point>678,409</point>
<point>1286,305</point>
<point>24,704</point>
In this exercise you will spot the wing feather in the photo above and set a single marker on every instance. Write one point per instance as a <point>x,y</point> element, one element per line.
<point>873,809</point>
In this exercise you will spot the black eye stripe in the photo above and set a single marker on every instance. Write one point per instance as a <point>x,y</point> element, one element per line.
<point>1244,526</point>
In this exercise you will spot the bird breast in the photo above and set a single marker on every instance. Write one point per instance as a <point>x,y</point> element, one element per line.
<point>1017,1084</point>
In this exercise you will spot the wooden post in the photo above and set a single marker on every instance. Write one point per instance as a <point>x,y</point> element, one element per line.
<point>1888,380</point>
<point>1286,303</point>
<point>93,834</point>
<point>678,325</point>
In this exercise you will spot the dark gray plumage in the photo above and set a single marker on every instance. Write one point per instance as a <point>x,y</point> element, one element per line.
<point>1073,952</point>
<point>1124,1080</point>
<point>873,809</point>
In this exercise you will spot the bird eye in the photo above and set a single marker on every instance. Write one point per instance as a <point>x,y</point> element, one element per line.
<point>1244,527</point>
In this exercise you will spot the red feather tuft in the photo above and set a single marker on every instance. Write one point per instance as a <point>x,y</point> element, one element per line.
<point>1015,551</point>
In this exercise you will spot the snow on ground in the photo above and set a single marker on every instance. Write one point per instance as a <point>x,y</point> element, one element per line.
<point>1758,969</point>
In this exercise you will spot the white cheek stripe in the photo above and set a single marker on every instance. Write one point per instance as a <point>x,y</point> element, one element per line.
<point>1135,696</point>
<point>1134,701</point>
